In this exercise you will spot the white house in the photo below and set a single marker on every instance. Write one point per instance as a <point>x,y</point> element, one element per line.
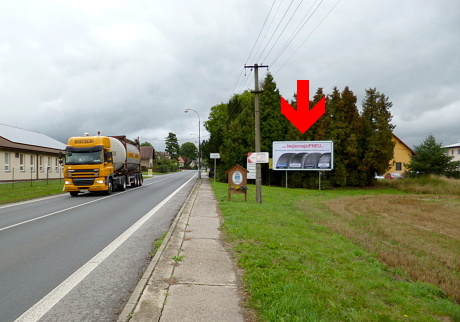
<point>453,150</point>
<point>28,155</point>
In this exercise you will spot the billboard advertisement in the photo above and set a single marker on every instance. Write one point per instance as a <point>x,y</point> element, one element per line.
<point>303,155</point>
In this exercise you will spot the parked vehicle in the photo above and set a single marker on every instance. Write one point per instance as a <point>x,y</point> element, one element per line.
<point>101,163</point>
<point>379,177</point>
<point>394,175</point>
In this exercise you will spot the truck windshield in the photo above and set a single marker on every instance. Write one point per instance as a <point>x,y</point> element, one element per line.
<point>94,157</point>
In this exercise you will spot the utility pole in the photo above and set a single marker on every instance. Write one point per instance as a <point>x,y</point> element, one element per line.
<point>256,91</point>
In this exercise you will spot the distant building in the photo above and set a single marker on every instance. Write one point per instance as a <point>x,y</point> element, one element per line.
<point>181,162</point>
<point>162,155</point>
<point>453,150</point>
<point>28,155</point>
<point>401,155</point>
<point>147,157</point>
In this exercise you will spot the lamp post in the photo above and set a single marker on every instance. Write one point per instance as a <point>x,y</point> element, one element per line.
<point>199,141</point>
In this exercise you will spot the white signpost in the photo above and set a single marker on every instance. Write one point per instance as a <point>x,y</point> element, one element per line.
<point>214,156</point>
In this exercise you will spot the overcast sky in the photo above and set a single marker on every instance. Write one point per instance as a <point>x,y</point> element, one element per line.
<point>132,67</point>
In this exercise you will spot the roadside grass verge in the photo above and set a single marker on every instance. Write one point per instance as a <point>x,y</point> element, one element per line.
<point>438,185</point>
<point>23,190</point>
<point>298,266</point>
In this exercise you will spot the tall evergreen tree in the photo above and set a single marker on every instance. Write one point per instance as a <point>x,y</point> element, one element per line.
<point>172,145</point>
<point>377,143</point>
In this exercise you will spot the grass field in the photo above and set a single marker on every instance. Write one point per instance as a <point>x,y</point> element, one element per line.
<point>346,254</point>
<point>24,190</point>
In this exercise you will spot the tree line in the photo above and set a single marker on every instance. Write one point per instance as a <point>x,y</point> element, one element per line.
<point>363,143</point>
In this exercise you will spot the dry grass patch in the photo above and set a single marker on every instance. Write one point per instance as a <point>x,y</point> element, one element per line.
<point>419,234</point>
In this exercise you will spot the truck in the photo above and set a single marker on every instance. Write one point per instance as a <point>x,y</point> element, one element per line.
<point>101,163</point>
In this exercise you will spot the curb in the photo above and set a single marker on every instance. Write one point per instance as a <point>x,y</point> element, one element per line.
<point>133,300</point>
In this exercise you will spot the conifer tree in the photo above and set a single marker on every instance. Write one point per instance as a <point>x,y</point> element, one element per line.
<point>172,145</point>
<point>377,141</point>
<point>430,158</point>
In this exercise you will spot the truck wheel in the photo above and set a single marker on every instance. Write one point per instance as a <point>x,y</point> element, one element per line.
<point>122,185</point>
<point>73,193</point>
<point>109,188</point>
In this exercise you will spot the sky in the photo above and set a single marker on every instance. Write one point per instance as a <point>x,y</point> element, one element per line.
<point>132,67</point>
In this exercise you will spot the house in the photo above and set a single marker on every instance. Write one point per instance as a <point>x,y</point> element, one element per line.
<point>401,155</point>
<point>28,155</point>
<point>162,155</point>
<point>181,162</point>
<point>147,157</point>
<point>453,150</point>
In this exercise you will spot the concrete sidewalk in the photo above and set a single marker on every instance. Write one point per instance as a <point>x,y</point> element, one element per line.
<point>191,277</point>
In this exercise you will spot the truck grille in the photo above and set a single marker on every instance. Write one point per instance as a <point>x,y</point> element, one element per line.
<point>83,181</point>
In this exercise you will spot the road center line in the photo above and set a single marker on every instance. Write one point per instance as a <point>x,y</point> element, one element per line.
<point>63,210</point>
<point>52,298</point>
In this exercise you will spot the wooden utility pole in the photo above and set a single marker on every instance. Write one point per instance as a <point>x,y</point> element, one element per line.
<point>256,91</point>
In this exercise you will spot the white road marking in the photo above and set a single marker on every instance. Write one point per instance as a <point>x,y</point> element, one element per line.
<point>63,210</point>
<point>46,303</point>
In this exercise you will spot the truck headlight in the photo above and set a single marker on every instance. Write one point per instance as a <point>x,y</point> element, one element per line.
<point>67,182</point>
<point>100,181</point>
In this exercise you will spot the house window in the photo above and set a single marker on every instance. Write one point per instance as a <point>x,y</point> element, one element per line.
<point>21,162</point>
<point>398,166</point>
<point>32,163</point>
<point>40,163</point>
<point>458,151</point>
<point>7,161</point>
<point>56,167</point>
<point>48,168</point>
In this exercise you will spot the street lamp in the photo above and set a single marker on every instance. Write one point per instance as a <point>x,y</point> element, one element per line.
<point>199,141</point>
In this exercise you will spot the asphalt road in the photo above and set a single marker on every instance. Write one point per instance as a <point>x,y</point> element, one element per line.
<point>78,258</point>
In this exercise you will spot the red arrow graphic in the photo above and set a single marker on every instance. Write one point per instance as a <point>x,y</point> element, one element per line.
<point>303,117</point>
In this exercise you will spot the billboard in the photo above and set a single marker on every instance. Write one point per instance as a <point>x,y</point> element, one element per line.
<point>303,155</point>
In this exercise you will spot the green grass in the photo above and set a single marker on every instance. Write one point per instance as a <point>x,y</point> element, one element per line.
<point>431,184</point>
<point>24,190</point>
<point>296,269</point>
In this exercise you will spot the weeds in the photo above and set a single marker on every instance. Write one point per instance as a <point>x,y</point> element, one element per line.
<point>178,258</point>
<point>437,185</point>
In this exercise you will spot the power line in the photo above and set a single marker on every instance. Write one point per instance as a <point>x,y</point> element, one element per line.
<point>299,27</point>
<point>309,35</point>
<point>253,46</point>
<point>260,32</point>
<point>281,33</point>
<point>266,32</point>
<point>282,18</point>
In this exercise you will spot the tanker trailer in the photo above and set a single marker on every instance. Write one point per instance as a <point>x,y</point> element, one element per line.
<point>101,163</point>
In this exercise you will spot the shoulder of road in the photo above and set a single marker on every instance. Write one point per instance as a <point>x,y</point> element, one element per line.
<point>192,276</point>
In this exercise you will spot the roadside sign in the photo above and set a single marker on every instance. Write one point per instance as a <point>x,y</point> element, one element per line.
<point>251,167</point>
<point>215,156</point>
<point>303,155</point>
<point>258,157</point>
